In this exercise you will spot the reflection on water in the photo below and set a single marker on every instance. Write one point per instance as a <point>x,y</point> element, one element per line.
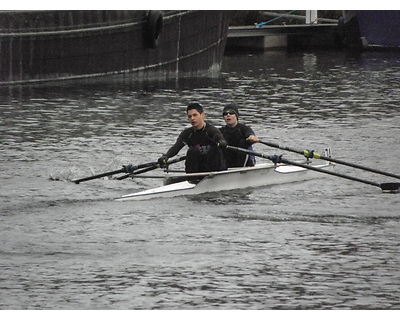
<point>323,244</point>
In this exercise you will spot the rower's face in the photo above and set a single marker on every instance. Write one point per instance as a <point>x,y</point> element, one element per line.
<point>230,119</point>
<point>196,119</point>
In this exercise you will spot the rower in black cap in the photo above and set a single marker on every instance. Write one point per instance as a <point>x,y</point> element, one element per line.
<point>238,135</point>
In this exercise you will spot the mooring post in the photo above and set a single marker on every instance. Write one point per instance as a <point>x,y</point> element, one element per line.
<point>311,16</point>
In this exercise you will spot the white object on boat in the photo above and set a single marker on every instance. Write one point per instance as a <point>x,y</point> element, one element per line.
<point>263,174</point>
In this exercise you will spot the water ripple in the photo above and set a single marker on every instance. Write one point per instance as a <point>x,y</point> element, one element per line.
<point>323,244</point>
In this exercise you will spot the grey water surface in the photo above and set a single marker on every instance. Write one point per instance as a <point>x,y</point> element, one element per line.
<point>328,243</point>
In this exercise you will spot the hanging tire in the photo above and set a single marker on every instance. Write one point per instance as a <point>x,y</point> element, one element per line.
<point>153,28</point>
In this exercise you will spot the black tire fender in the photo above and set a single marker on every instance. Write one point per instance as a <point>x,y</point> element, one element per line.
<point>153,28</point>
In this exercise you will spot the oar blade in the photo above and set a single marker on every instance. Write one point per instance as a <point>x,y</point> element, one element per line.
<point>390,187</point>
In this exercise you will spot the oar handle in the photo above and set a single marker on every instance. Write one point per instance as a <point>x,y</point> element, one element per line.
<point>176,160</point>
<point>310,154</point>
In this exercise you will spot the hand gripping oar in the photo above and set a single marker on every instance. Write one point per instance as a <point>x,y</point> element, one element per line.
<point>387,187</point>
<point>311,154</point>
<point>153,167</point>
<point>123,170</point>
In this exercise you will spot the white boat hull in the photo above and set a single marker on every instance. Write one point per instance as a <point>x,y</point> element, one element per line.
<point>237,178</point>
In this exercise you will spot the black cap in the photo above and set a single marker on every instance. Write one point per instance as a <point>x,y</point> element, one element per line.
<point>231,108</point>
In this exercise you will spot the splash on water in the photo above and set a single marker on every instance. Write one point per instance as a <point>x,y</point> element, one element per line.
<point>73,173</point>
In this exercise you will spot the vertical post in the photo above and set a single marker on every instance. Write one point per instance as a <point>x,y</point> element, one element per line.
<point>311,16</point>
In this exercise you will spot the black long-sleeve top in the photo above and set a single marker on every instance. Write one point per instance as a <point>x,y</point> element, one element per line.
<point>203,154</point>
<point>237,137</point>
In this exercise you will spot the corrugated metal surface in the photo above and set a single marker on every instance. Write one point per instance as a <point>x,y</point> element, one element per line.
<point>52,45</point>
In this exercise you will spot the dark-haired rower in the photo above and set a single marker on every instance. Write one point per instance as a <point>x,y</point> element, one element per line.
<point>204,142</point>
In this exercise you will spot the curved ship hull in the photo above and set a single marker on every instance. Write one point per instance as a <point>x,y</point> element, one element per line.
<point>372,29</point>
<point>38,46</point>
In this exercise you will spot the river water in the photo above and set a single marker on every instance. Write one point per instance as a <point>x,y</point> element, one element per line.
<point>328,243</point>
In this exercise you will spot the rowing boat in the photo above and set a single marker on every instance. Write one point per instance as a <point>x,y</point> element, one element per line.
<point>263,174</point>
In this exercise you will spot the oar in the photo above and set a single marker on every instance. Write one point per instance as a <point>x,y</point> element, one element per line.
<point>311,154</point>
<point>123,170</point>
<point>153,167</point>
<point>388,187</point>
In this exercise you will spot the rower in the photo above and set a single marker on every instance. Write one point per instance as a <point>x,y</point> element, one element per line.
<point>204,141</point>
<point>238,135</point>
